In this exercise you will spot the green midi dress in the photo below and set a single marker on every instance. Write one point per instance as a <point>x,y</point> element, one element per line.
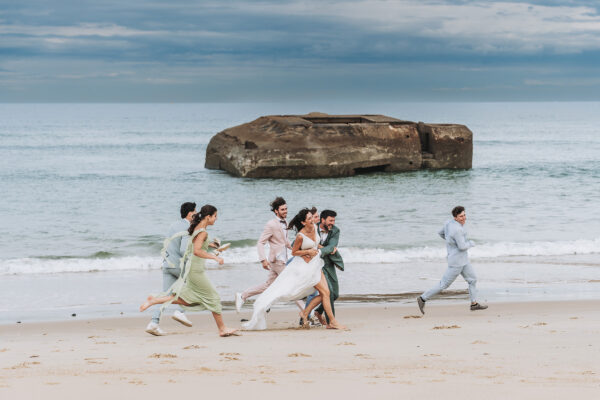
<point>193,286</point>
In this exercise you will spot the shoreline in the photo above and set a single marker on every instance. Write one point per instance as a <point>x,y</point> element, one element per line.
<point>116,293</point>
<point>526,350</point>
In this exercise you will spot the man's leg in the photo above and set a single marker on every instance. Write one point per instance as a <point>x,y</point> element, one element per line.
<point>468,272</point>
<point>275,269</point>
<point>449,276</point>
<point>168,279</point>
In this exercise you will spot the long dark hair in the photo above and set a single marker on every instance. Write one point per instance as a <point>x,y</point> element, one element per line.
<point>297,221</point>
<point>205,211</point>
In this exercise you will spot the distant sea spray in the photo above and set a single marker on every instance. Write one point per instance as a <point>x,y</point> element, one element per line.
<point>245,254</point>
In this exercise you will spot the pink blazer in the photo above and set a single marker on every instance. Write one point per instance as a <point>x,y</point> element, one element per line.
<point>277,239</point>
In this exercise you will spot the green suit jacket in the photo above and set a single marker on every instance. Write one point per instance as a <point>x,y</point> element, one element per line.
<point>332,260</point>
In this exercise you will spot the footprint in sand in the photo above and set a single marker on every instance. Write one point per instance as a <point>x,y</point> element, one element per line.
<point>346,344</point>
<point>3,350</point>
<point>162,355</point>
<point>540,324</point>
<point>136,382</point>
<point>194,346</point>
<point>412,316</point>
<point>363,356</point>
<point>446,327</point>
<point>479,342</point>
<point>24,365</point>
<point>299,355</point>
<point>230,356</point>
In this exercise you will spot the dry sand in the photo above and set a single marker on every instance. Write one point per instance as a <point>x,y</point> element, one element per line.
<point>548,350</point>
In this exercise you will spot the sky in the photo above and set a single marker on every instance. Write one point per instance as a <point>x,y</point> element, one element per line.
<point>243,51</point>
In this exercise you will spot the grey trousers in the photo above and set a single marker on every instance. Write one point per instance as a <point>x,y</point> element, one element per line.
<point>450,276</point>
<point>170,275</point>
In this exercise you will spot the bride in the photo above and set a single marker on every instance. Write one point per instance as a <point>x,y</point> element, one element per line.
<point>299,279</point>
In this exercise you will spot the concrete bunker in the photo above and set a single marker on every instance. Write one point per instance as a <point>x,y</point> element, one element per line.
<point>319,145</point>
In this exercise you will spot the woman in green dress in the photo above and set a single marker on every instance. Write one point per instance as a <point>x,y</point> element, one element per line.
<point>194,290</point>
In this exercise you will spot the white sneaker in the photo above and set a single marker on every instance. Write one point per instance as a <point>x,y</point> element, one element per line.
<point>154,329</point>
<point>239,302</point>
<point>181,318</point>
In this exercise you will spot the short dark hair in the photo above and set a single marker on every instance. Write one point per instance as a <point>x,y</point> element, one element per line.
<point>313,210</point>
<point>186,208</point>
<point>327,213</point>
<point>457,210</point>
<point>278,202</point>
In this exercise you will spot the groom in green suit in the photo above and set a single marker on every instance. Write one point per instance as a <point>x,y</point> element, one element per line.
<point>329,237</point>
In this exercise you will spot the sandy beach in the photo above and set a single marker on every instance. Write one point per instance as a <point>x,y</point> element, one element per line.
<point>529,350</point>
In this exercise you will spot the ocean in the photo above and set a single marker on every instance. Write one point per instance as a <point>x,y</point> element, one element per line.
<point>89,191</point>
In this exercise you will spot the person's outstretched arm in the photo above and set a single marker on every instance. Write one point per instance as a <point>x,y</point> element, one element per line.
<point>200,252</point>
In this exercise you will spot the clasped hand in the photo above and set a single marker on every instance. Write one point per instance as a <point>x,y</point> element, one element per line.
<point>311,253</point>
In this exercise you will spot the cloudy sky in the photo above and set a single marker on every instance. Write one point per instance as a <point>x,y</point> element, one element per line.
<point>133,50</point>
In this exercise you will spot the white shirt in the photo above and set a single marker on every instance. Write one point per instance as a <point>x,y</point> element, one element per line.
<point>283,256</point>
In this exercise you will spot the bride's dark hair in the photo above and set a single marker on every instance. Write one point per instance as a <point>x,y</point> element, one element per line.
<point>297,221</point>
<point>205,211</point>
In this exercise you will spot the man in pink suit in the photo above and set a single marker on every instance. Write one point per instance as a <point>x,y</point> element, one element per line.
<point>275,234</point>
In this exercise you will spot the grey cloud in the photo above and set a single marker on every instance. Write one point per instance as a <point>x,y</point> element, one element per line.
<point>245,49</point>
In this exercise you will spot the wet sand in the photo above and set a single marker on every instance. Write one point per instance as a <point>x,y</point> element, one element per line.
<point>524,350</point>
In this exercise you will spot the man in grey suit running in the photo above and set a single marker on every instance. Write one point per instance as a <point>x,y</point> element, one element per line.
<point>457,245</point>
<point>177,240</point>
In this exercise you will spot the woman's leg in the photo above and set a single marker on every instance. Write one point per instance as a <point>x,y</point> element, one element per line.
<point>323,289</point>
<point>223,330</point>
<point>151,300</point>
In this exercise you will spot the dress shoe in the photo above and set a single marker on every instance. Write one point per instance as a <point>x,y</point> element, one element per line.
<point>478,306</point>
<point>421,304</point>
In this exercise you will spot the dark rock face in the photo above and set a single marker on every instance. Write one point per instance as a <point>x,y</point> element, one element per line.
<point>319,145</point>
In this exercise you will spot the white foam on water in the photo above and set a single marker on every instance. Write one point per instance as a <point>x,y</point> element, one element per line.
<point>351,255</point>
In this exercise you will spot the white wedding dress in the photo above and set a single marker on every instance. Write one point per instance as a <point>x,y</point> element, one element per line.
<point>297,281</point>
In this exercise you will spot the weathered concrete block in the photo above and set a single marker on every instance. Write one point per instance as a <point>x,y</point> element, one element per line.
<point>318,145</point>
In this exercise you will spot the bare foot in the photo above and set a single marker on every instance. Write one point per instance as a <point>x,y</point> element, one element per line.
<point>228,332</point>
<point>321,318</point>
<point>147,303</point>
<point>336,325</point>
<point>304,319</point>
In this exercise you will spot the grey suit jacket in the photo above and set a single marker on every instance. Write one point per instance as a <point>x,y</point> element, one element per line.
<point>177,247</point>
